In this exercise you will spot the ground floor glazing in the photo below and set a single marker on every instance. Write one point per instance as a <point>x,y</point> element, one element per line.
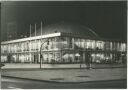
<point>65,56</point>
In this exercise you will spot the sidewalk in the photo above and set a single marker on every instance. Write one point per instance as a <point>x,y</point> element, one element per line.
<point>68,75</point>
<point>58,66</point>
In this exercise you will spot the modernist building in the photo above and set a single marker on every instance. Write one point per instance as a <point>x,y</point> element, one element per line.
<point>64,43</point>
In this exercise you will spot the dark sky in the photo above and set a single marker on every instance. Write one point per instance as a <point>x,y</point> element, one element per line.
<point>107,19</point>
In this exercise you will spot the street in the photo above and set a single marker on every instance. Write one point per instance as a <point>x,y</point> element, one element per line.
<point>14,83</point>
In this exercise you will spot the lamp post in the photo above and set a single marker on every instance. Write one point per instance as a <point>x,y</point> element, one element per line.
<point>41,49</point>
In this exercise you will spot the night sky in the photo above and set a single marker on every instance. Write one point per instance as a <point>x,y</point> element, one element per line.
<point>107,19</point>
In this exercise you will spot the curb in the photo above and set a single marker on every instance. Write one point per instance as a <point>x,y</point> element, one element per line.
<point>49,81</point>
<point>59,68</point>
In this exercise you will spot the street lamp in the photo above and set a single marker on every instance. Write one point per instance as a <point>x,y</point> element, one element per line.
<point>41,49</point>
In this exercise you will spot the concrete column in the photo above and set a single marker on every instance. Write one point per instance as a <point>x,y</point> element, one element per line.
<point>48,56</point>
<point>73,56</point>
<point>61,55</point>
<point>54,55</point>
<point>84,57</point>
<point>38,57</point>
<point>73,46</point>
<point>17,57</point>
<point>30,56</point>
<point>73,43</point>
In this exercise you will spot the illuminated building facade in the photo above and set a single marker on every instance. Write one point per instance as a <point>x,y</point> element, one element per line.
<point>64,43</point>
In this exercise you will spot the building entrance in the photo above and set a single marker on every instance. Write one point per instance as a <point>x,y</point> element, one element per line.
<point>88,60</point>
<point>9,58</point>
<point>36,58</point>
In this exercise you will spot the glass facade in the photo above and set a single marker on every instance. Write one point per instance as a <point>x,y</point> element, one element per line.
<point>64,49</point>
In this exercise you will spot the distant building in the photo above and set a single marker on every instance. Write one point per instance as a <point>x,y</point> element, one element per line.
<point>64,43</point>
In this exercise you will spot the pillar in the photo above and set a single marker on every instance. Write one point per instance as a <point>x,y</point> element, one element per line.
<point>83,57</point>
<point>73,55</point>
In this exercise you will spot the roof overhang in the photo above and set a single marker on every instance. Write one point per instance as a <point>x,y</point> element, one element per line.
<point>32,38</point>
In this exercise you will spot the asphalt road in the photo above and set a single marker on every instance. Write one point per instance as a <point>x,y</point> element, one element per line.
<point>14,83</point>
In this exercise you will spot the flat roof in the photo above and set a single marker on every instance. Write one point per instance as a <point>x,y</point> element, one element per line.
<point>55,35</point>
<point>32,38</point>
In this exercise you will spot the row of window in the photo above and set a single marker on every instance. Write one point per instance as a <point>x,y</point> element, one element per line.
<point>66,57</point>
<point>62,43</point>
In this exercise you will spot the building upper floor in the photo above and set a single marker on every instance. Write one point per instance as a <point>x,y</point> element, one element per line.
<point>61,41</point>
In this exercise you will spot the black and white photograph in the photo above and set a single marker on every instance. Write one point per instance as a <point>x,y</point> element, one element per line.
<point>63,44</point>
